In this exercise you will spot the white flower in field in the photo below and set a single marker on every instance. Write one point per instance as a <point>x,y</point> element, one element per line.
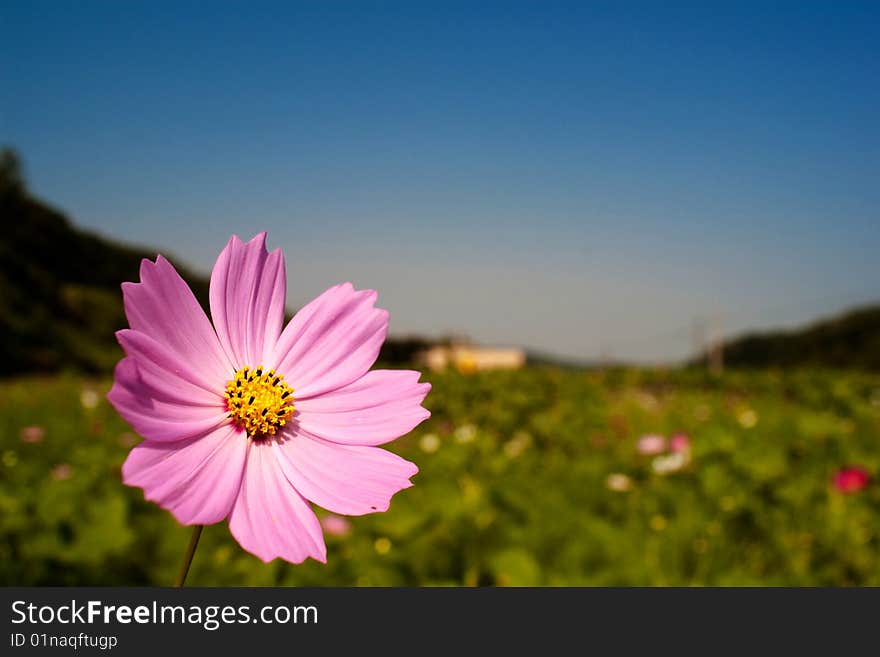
<point>88,398</point>
<point>618,482</point>
<point>517,445</point>
<point>669,463</point>
<point>747,418</point>
<point>465,433</point>
<point>430,443</point>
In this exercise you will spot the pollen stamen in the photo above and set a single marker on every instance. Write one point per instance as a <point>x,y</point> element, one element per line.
<point>269,402</point>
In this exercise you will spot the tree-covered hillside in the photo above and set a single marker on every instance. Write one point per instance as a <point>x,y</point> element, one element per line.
<point>60,297</point>
<point>851,340</point>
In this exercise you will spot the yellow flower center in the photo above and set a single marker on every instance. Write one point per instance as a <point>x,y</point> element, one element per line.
<point>259,401</point>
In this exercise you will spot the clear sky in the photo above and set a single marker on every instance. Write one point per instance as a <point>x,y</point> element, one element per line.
<point>577,178</point>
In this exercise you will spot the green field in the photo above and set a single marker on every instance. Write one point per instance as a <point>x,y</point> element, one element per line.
<point>514,488</point>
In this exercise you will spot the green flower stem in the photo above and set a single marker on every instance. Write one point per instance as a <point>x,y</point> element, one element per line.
<point>188,557</point>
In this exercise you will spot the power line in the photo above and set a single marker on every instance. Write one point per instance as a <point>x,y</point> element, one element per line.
<point>707,331</point>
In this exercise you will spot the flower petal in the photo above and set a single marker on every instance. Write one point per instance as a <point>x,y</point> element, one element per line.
<point>248,290</point>
<point>157,414</point>
<point>332,341</point>
<point>196,480</point>
<point>380,406</point>
<point>270,519</point>
<point>163,307</point>
<point>344,479</point>
<point>161,369</point>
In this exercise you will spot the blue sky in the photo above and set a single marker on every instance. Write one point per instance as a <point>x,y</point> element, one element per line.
<point>582,179</point>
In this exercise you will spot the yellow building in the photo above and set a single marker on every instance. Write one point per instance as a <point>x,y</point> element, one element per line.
<point>471,358</point>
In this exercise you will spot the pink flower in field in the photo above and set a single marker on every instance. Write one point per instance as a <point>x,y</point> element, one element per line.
<point>651,444</point>
<point>33,434</point>
<point>335,525</point>
<point>248,422</point>
<point>61,472</point>
<point>679,443</point>
<point>851,479</point>
<point>127,439</point>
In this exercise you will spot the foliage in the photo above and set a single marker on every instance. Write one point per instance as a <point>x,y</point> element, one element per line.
<point>850,340</point>
<point>514,488</point>
<point>60,300</point>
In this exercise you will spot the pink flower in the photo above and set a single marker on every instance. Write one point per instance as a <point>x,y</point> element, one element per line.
<point>33,434</point>
<point>61,472</point>
<point>335,525</point>
<point>851,479</point>
<point>246,422</point>
<point>651,444</point>
<point>679,443</point>
<point>127,439</point>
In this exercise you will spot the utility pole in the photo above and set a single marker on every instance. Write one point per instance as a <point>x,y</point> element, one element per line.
<point>698,337</point>
<point>716,350</point>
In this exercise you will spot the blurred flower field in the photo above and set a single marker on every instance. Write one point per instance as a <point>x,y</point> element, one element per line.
<point>533,477</point>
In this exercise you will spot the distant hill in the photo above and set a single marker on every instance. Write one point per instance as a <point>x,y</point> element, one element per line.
<point>851,340</point>
<point>60,296</point>
<point>547,359</point>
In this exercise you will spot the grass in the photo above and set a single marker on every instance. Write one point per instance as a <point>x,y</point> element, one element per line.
<point>519,485</point>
